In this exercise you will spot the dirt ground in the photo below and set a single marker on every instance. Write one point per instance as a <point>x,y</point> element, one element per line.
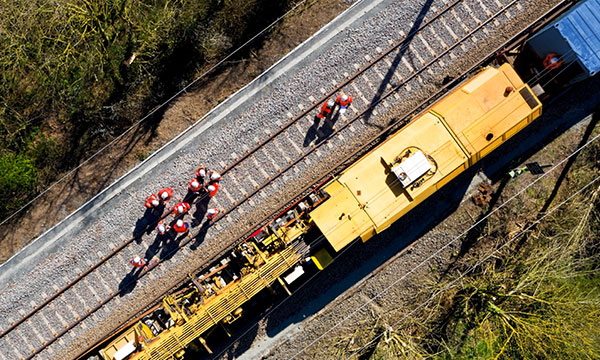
<point>77,188</point>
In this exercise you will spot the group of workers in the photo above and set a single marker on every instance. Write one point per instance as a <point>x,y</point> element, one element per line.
<point>205,182</point>
<point>343,101</point>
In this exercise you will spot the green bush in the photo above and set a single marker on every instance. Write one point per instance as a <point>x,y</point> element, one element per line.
<point>87,69</point>
<point>18,177</point>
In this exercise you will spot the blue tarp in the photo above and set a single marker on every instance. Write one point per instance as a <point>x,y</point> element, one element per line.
<point>575,36</point>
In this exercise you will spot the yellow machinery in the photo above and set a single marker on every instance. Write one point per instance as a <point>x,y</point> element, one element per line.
<point>211,299</point>
<point>434,148</point>
<point>452,135</point>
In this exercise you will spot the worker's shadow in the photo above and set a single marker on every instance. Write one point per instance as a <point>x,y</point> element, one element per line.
<point>327,128</point>
<point>320,133</point>
<point>154,248</point>
<point>201,209</point>
<point>150,217</point>
<point>129,281</point>
<point>199,239</point>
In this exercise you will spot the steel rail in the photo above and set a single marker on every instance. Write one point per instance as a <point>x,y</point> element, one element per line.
<point>227,169</point>
<point>369,144</point>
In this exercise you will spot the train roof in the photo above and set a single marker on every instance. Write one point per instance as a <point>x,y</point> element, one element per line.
<point>575,36</point>
<point>466,124</point>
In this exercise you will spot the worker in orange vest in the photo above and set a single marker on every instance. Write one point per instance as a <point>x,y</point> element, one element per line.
<point>212,189</point>
<point>181,226</point>
<point>212,213</point>
<point>326,109</point>
<point>138,262</point>
<point>344,102</point>
<point>181,208</point>
<point>201,174</point>
<point>162,228</point>
<point>195,186</point>
<point>152,201</point>
<point>165,194</point>
<point>213,177</point>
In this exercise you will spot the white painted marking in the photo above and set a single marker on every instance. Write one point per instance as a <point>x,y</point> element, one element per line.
<point>260,168</point>
<point>420,36</point>
<point>416,54</point>
<point>323,91</point>
<point>254,183</point>
<point>271,159</point>
<point>298,150</point>
<point>227,194</point>
<point>360,94</point>
<point>368,57</point>
<point>15,349</point>
<point>36,331</point>
<point>356,66</point>
<point>449,29</point>
<point>61,319</point>
<point>278,146</point>
<point>301,106</point>
<point>238,184</point>
<point>408,65</point>
<point>378,49</point>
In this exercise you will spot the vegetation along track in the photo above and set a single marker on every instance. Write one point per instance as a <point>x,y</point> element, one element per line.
<point>44,318</point>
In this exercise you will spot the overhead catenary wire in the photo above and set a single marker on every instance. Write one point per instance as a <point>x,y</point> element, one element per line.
<point>153,111</point>
<point>430,257</point>
<point>479,263</point>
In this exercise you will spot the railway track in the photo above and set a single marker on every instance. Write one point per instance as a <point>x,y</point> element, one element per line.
<point>245,179</point>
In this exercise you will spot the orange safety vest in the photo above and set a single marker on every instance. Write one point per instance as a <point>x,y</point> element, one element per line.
<point>138,264</point>
<point>343,103</point>
<point>169,192</point>
<point>185,207</point>
<point>149,200</point>
<point>552,61</point>
<point>183,228</point>
<point>211,213</point>
<point>210,177</point>
<point>202,167</point>
<point>325,110</point>
<point>195,188</point>
<point>212,193</point>
<point>164,230</point>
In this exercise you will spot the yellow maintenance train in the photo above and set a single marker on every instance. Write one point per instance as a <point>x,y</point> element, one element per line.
<point>434,148</point>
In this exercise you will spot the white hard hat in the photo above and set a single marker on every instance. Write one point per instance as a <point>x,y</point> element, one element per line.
<point>161,227</point>
<point>164,195</point>
<point>344,97</point>
<point>330,103</point>
<point>195,183</point>
<point>212,211</point>
<point>211,188</point>
<point>180,208</point>
<point>137,259</point>
<point>342,110</point>
<point>179,222</point>
<point>202,172</point>
<point>215,175</point>
<point>155,202</point>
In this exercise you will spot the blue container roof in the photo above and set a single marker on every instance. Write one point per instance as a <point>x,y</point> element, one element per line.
<point>580,27</point>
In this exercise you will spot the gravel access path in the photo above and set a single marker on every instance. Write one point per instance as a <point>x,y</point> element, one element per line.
<point>385,22</point>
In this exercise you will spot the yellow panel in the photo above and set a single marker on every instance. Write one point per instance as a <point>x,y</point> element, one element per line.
<point>372,194</point>
<point>341,219</point>
<point>322,259</point>
<point>472,120</point>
